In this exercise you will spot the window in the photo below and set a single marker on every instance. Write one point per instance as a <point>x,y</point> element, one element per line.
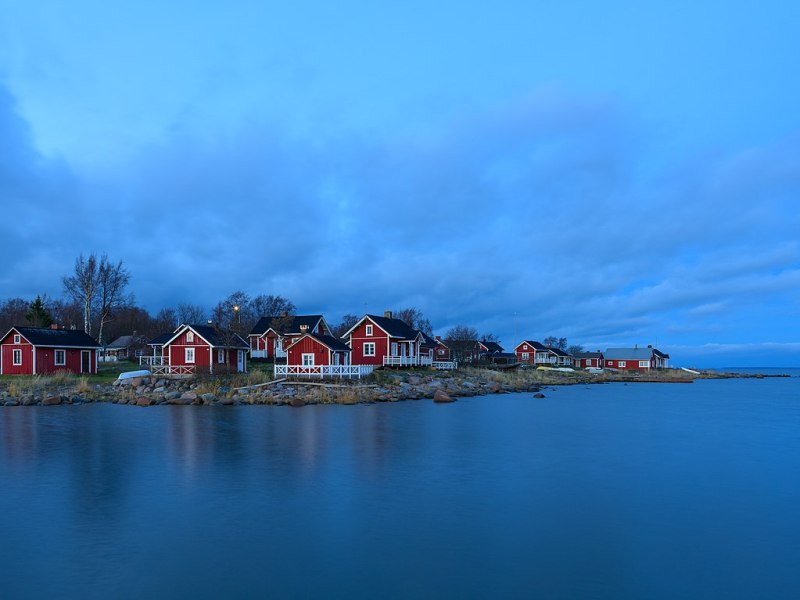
<point>524,346</point>
<point>220,356</point>
<point>189,356</point>
<point>621,364</point>
<point>17,357</point>
<point>17,338</point>
<point>644,363</point>
<point>189,337</point>
<point>611,363</point>
<point>525,355</point>
<point>369,349</point>
<point>61,358</point>
<point>308,360</point>
<point>394,348</point>
<point>369,329</point>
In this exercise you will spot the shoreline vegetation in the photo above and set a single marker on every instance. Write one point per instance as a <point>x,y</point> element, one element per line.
<point>258,388</point>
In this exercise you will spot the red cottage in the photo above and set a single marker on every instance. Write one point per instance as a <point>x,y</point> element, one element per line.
<point>589,360</point>
<point>385,341</point>
<point>441,352</point>
<point>201,347</point>
<point>535,353</point>
<point>635,359</point>
<point>271,336</point>
<point>37,351</point>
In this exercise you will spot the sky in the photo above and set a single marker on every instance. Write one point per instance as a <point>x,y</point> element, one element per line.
<point>612,172</point>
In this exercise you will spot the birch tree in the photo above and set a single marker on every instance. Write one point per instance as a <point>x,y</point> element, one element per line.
<point>81,286</point>
<point>112,281</point>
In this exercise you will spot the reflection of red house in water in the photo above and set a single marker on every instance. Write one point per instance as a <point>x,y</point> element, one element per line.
<point>271,336</point>
<point>38,351</point>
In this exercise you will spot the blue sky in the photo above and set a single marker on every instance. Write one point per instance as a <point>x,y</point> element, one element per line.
<point>610,172</point>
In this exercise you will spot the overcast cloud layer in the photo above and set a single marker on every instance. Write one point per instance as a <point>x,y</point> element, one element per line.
<point>619,191</point>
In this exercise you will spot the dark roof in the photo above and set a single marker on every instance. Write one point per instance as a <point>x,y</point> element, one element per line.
<point>215,337</point>
<point>492,347</point>
<point>331,342</point>
<point>559,352</point>
<point>161,339</point>
<point>395,327</point>
<point>125,341</point>
<point>67,338</point>
<point>588,355</point>
<point>285,324</point>
<point>535,345</point>
<point>660,353</point>
<point>428,341</point>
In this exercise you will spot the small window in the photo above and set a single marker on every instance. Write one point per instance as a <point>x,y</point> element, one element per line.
<point>220,356</point>
<point>189,356</point>
<point>622,364</point>
<point>61,358</point>
<point>189,337</point>
<point>17,357</point>
<point>369,329</point>
<point>308,360</point>
<point>369,349</point>
<point>644,363</point>
<point>525,346</point>
<point>17,338</point>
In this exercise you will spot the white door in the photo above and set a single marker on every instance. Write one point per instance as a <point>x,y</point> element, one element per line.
<point>240,361</point>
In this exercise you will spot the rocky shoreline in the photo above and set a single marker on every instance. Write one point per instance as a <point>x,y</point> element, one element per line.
<point>382,386</point>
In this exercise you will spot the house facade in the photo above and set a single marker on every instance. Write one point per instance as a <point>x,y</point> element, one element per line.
<point>635,359</point>
<point>200,348</point>
<point>271,336</point>
<point>589,360</point>
<point>441,351</point>
<point>39,351</point>
<point>385,341</point>
<point>531,352</point>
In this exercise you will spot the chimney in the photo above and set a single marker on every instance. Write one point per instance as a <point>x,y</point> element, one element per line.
<point>438,338</point>
<point>303,328</point>
<point>387,314</point>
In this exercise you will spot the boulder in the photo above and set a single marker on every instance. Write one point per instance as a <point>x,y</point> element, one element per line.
<point>538,395</point>
<point>51,400</point>
<point>442,396</point>
<point>226,401</point>
<point>296,402</point>
<point>144,401</point>
<point>190,396</point>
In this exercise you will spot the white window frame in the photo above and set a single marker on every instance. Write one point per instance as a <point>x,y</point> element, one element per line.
<point>221,357</point>
<point>307,359</point>
<point>188,356</point>
<point>17,338</point>
<point>369,348</point>
<point>189,337</point>
<point>63,361</point>
<point>526,356</point>
<point>621,364</point>
<point>394,349</point>
<point>644,363</point>
<point>16,357</point>
<point>369,329</point>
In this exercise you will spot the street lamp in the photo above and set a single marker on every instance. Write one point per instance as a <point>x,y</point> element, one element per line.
<point>236,309</point>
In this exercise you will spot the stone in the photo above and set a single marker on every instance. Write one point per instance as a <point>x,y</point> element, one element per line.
<point>296,402</point>
<point>442,396</point>
<point>144,401</point>
<point>209,397</point>
<point>11,402</point>
<point>190,396</point>
<point>28,400</point>
<point>51,400</point>
<point>226,401</point>
<point>539,395</point>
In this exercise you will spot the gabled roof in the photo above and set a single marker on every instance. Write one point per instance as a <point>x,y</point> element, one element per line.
<point>491,346</point>
<point>660,354</point>
<point>212,336</point>
<point>533,344</point>
<point>629,353</point>
<point>55,338</point>
<point>328,341</point>
<point>428,341</point>
<point>588,355</point>
<point>393,327</point>
<point>124,341</point>
<point>160,340</point>
<point>286,324</point>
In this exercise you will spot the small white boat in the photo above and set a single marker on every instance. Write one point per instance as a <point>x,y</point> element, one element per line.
<point>134,374</point>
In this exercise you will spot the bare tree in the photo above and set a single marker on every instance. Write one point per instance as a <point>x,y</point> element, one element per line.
<point>574,349</point>
<point>234,312</point>
<point>556,342</point>
<point>191,314</point>
<point>165,320</point>
<point>461,340</point>
<point>414,318</point>
<point>12,313</point>
<point>66,314</point>
<point>112,279</point>
<point>348,321</point>
<point>81,286</point>
<point>267,305</point>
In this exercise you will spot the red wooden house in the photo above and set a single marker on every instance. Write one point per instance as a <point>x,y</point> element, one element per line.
<point>311,350</point>
<point>194,348</point>
<point>37,351</point>
<point>386,341</point>
<point>271,336</point>
<point>441,351</point>
<point>589,360</point>
<point>635,359</point>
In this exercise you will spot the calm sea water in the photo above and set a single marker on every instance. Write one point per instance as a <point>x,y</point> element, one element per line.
<point>604,491</point>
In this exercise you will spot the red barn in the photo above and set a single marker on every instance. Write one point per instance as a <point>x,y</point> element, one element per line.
<point>194,348</point>
<point>385,341</point>
<point>37,351</point>
<point>271,336</point>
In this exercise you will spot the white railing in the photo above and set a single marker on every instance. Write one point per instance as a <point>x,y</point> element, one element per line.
<point>172,370</point>
<point>407,361</point>
<point>322,371</point>
<point>445,365</point>
<point>153,361</point>
<point>258,353</point>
